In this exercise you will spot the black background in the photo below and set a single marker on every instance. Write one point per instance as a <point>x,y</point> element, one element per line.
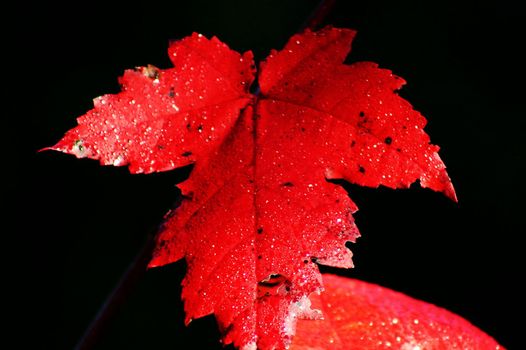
<point>78,225</point>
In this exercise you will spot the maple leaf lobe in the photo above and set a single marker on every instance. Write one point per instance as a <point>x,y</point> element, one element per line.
<point>372,136</point>
<point>166,118</point>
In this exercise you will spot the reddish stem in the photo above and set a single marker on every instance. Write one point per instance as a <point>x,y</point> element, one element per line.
<point>318,15</point>
<point>118,296</point>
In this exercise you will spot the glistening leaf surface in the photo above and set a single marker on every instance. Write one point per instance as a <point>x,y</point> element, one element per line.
<point>362,129</point>
<point>258,212</point>
<point>362,316</point>
<point>164,119</point>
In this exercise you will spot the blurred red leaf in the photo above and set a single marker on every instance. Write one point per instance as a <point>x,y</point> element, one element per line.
<point>258,213</point>
<point>360,315</point>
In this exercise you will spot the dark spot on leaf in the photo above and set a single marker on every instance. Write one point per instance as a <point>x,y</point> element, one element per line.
<point>404,127</point>
<point>188,126</point>
<point>353,143</point>
<point>362,114</point>
<point>200,127</point>
<point>314,259</point>
<point>273,280</point>
<point>362,124</point>
<point>398,150</point>
<point>78,144</point>
<point>337,201</point>
<point>251,181</point>
<point>361,169</point>
<point>187,154</point>
<point>388,140</point>
<point>260,230</point>
<point>287,184</point>
<point>160,146</point>
<point>305,261</point>
<point>151,72</point>
<point>302,129</point>
<point>260,257</point>
<point>274,284</point>
<point>171,93</point>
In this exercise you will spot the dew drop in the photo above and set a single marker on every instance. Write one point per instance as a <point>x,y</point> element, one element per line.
<point>120,160</point>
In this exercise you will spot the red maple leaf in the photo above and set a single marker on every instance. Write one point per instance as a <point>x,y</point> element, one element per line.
<point>360,315</point>
<point>258,213</point>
